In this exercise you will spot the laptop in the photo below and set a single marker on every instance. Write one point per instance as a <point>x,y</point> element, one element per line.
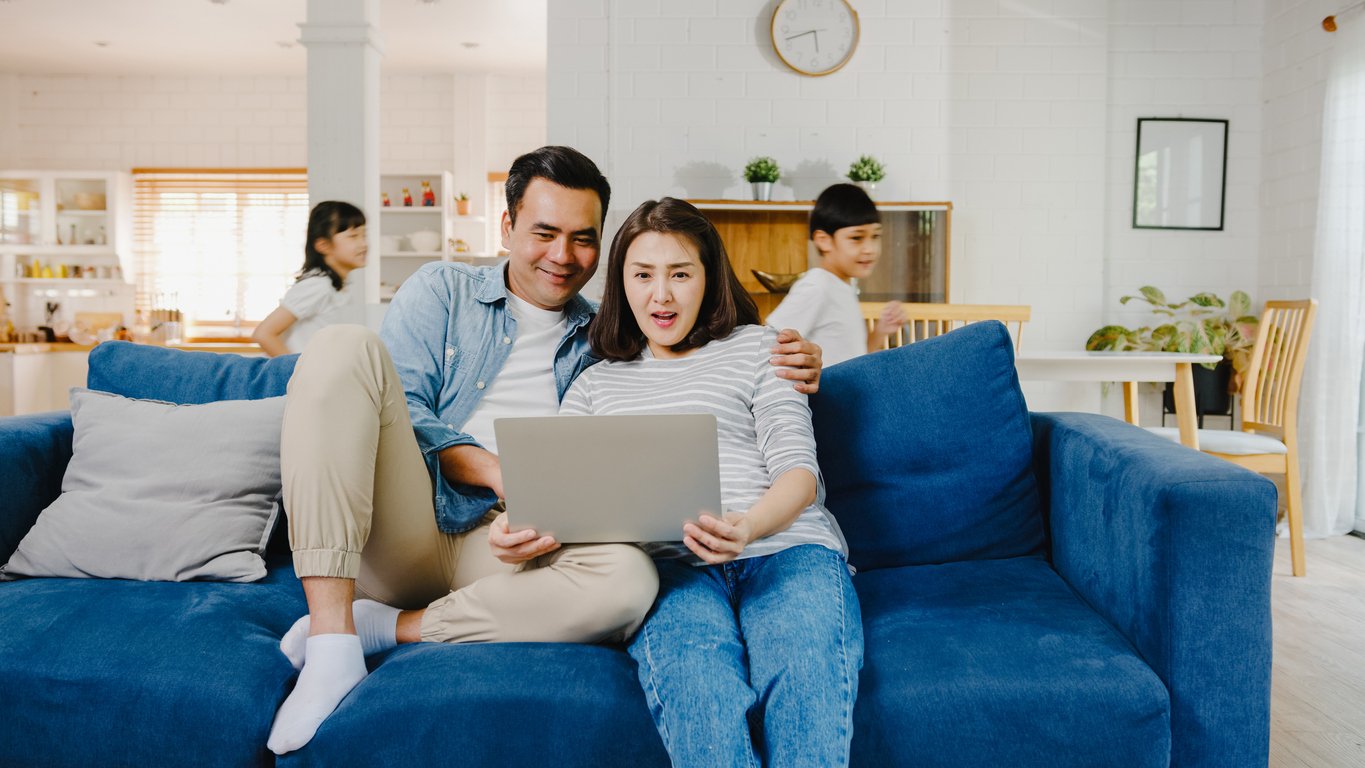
<point>609,478</point>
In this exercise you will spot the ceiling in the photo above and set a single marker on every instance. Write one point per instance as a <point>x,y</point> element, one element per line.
<point>204,37</point>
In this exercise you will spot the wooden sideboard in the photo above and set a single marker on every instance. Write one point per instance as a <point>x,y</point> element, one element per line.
<point>774,237</point>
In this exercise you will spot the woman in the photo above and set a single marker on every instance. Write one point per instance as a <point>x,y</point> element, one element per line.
<point>751,653</point>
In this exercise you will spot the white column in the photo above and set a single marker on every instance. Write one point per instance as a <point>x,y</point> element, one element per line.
<point>9,127</point>
<point>344,49</point>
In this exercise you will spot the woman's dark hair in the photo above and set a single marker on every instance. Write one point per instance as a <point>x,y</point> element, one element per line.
<point>615,334</point>
<point>842,205</point>
<point>328,219</point>
<point>565,166</point>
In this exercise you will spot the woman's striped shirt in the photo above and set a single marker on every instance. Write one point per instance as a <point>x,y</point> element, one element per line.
<point>763,425</point>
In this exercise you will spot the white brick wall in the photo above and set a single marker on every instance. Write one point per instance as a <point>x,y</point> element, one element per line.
<point>1297,54</point>
<point>1022,114</point>
<point>1190,60</point>
<point>118,123</point>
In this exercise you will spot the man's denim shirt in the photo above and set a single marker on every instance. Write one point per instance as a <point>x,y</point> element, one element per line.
<point>449,332</point>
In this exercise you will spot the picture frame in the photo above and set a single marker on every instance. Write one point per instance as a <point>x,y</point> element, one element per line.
<point>1180,173</point>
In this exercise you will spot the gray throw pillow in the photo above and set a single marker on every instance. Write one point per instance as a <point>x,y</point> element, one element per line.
<point>161,492</point>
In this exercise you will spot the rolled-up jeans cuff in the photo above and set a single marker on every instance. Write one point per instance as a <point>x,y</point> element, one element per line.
<point>334,563</point>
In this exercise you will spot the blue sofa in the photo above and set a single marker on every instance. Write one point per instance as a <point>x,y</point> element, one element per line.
<point>1037,589</point>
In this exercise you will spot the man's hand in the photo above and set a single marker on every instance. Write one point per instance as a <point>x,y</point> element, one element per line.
<point>472,465</point>
<point>799,360</point>
<point>517,548</point>
<point>891,319</point>
<point>718,541</point>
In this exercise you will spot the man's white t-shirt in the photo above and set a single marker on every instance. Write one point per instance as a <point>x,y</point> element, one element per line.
<point>315,304</point>
<point>825,310</point>
<point>526,384</point>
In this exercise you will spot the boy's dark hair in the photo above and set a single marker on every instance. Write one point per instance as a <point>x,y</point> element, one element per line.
<point>615,334</point>
<point>842,205</point>
<point>328,219</point>
<point>565,166</point>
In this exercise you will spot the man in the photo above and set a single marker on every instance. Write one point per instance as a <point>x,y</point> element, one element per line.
<point>390,465</point>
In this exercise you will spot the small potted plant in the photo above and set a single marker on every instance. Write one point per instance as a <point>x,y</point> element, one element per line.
<point>1202,323</point>
<point>761,172</point>
<point>462,204</point>
<point>866,171</point>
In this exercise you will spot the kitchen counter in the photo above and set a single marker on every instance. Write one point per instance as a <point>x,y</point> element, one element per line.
<point>33,348</point>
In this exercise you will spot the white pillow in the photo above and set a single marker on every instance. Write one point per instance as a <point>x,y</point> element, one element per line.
<point>161,492</point>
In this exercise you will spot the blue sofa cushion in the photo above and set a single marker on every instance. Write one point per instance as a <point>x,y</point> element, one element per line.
<point>999,663</point>
<point>927,452</point>
<point>143,673</point>
<point>176,376</point>
<point>491,704</point>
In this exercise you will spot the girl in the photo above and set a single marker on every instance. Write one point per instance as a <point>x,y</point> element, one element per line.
<point>335,247</point>
<point>756,624</point>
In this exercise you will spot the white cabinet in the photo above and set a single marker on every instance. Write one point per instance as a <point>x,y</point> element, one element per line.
<point>37,381</point>
<point>66,237</point>
<point>412,235</point>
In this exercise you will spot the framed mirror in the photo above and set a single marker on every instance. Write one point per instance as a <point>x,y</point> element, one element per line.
<point>1180,175</point>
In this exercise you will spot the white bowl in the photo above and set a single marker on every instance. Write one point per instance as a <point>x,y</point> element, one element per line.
<point>426,240</point>
<point>390,243</point>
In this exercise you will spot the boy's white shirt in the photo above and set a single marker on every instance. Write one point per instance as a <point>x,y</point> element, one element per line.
<point>825,310</point>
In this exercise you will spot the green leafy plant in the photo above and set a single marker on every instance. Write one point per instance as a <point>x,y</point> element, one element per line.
<point>1203,323</point>
<point>762,169</point>
<point>866,168</point>
<point>462,196</point>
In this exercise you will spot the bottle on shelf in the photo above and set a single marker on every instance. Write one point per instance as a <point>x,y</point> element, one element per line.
<point>384,199</point>
<point>407,198</point>
<point>428,197</point>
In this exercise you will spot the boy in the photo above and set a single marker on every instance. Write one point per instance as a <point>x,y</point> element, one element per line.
<point>822,306</point>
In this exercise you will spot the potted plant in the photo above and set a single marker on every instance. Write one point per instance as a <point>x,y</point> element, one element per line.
<point>866,171</point>
<point>1202,323</point>
<point>761,172</point>
<point>462,204</point>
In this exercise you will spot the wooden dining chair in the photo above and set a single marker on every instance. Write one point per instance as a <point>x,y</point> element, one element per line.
<point>1268,442</point>
<point>925,321</point>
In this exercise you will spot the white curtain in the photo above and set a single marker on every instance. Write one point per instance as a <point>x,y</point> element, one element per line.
<point>1330,401</point>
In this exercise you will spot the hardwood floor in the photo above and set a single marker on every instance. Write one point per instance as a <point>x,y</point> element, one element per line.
<point>1317,702</point>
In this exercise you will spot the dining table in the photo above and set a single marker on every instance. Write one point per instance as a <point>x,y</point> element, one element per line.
<point>1128,369</point>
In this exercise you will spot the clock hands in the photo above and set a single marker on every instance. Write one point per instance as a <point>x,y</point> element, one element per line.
<point>815,33</point>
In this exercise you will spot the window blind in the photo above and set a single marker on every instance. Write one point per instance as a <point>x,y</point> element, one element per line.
<point>221,246</point>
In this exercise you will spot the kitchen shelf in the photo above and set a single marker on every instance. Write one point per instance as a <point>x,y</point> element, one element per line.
<point>79,212</point>
<point>428,255</point>
<point>410,209</point>
<point>71,281</point>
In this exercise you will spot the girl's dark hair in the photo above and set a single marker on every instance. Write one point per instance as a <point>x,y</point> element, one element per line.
<point>842,205</point>
<point>328,219</point>
<point>615,334</point>
<point>565,166</point>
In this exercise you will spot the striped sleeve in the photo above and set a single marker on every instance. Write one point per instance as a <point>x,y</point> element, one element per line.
<point>782,418</point>
<point>577,401</point>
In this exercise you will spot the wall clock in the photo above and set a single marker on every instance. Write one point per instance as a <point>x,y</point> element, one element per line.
<point>815,37</point>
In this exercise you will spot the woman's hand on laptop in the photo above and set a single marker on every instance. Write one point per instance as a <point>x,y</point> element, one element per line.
<point>517,548</point>
<point>717,540</point>
<point>798,360</point>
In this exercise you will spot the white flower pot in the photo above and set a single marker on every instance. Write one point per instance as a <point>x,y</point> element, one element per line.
<point>763,190</point>
<point>868,186</point>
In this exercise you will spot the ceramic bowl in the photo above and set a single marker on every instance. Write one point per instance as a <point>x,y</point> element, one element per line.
<point>426,240</point>
<point>390,243</point>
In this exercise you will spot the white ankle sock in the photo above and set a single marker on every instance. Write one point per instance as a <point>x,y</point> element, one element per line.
<point>376,623</point>
<point>335,666</point>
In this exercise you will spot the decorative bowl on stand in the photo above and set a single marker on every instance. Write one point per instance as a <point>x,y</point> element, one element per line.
<point>777,282</point>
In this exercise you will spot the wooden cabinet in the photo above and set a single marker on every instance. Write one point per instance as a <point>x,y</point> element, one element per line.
<point>774,237</point>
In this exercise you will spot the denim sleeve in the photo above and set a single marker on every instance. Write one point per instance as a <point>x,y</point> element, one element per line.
<point>414,330</point>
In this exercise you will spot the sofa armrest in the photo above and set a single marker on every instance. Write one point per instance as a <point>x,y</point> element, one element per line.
<point>34,451</point>
<point>1175,549</point>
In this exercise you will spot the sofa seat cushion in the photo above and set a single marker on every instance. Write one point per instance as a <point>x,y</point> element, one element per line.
<point>112,672</point>
<point>927,452</point>
<point>500,704</point>
<point>994,663</point>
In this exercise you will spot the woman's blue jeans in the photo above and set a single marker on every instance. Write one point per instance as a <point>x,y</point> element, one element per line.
<point>754,662</point>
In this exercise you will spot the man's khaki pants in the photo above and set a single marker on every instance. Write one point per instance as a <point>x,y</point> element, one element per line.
<point>360,506</point>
